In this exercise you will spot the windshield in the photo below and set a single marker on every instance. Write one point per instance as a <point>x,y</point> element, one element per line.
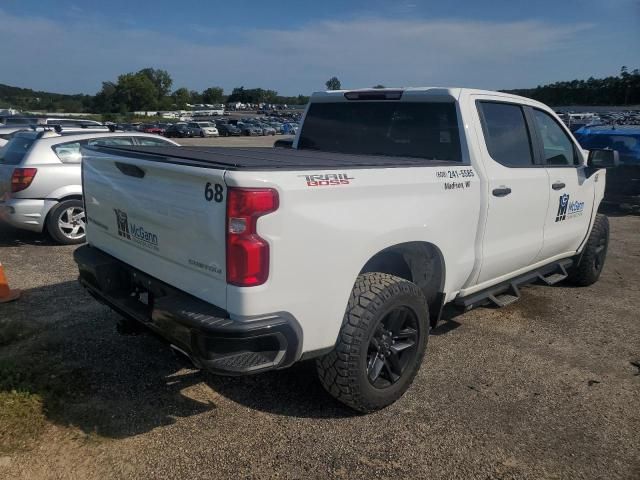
<point>14,151</point>
<point>398,129</point>
<point>204,124</point>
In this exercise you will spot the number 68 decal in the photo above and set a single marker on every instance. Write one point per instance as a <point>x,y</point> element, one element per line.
<point>214,193</point>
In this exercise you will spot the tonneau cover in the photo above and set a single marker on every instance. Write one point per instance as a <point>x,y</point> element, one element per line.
<point>233,158</point>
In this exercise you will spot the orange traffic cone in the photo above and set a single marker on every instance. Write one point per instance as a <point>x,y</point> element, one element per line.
<point>6,294</point>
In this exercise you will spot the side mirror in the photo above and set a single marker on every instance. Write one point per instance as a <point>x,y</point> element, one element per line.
<point>283,143</point>
<point>603,158</point>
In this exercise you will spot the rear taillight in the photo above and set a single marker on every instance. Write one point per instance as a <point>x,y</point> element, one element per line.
<point>247,252</point>
<point>22,178</point>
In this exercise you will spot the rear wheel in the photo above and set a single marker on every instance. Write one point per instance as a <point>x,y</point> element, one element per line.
<point>66,222</point>
<point>381,343</point>
<point>588,271</point>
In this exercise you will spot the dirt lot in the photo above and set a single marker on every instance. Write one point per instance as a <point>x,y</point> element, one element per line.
<point>546,388</point>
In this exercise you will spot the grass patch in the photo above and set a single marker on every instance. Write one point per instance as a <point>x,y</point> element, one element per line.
<point>22,416</point>
<point>31,389</point>
<point>22,420</point>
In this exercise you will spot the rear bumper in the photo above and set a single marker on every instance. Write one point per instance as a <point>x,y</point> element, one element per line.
<point>25,213</point>
<point>213,339</point>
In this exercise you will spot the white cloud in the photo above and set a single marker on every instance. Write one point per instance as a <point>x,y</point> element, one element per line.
<point>77,56</point>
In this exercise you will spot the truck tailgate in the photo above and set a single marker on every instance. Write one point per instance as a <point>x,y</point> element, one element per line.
<point>164,219</point>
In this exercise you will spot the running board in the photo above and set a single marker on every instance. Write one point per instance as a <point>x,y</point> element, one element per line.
<point>554,277</point>
<point>507,292</point>
<point>511,295</point>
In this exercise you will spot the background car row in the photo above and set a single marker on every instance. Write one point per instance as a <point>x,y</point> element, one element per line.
<point>40,178</point>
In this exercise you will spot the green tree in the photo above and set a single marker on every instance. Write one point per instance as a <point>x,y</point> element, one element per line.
<point>105,99</point>
<point>135,91</point>
<point>213,95</point>
<point>181,97</point>
<point>196,97</point>
<point>160,78</point>
<point>333,84</point>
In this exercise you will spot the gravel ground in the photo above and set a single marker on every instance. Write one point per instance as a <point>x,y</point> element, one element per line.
<point>545,388</point>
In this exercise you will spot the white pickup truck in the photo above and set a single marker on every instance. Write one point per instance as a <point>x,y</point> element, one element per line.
<point>344,247</point>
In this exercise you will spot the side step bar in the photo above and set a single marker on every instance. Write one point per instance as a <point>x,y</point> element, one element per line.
<point>507,292</point>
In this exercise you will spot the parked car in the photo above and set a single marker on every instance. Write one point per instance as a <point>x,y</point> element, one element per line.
<point>623,183</point>
<point>178,130</point>
<point>152,128</point>
<point>227,130</point>
<point>7,133</point>
<point>40,179</point>
<point>266,129</point>
<point>202,129</point>
<point>63,122</point>
<point>289,129</point>
<point>277,126</point>
<point>249,129</point>
<point>419,197</point>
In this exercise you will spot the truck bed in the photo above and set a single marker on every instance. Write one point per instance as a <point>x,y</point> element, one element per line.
<point>233,158</point>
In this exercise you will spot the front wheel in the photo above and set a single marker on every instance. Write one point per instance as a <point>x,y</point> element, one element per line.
<point>588,270</point>
<point>66,222</point>
<point>381,343</point>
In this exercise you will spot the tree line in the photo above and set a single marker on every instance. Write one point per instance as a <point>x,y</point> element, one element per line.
<point>623,89</point>
<point>150,89</point>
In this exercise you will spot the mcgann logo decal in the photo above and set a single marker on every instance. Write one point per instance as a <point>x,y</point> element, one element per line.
<point>134,232</point>
<point>123,223</point>
<point>568,209</point>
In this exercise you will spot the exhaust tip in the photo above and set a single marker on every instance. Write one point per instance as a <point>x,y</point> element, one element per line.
<point>185,355</point>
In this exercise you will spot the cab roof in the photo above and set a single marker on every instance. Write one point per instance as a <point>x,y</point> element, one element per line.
<point>403,93</point>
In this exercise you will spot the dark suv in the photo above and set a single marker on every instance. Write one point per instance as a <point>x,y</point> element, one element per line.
<point>623,183</point>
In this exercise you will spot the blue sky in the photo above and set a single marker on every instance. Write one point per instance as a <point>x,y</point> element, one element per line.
<point>294,46</point>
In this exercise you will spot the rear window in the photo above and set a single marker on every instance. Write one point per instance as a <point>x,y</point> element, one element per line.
<point>14,151</point>
<point>397,129</point>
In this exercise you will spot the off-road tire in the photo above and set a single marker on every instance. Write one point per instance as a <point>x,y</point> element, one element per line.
<point>343,371</point>
<point>591,263</point>
<point>54,216</point>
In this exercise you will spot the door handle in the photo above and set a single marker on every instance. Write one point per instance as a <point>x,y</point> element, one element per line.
<point>501,192</point>
<point>130,170</point>
<point>558,186</point>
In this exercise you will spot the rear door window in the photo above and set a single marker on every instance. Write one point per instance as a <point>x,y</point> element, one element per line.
<point>70,152</point>
<point>558,147</point>
<point>110,141</point>
<point>14,152</point>
<point>153,142</point>
<point>506,134</point>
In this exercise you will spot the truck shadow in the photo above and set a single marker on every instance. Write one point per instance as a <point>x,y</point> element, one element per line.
<point>13,237</point>
<point>293,392</point>
<point>61,347</point>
